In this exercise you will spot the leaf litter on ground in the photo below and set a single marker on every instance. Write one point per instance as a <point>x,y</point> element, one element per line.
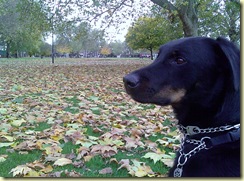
<point>44,107</point>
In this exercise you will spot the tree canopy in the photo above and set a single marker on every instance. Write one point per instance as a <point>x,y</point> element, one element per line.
<point>150,33</point>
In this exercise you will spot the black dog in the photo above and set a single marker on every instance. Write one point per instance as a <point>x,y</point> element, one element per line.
<point>200,78</point>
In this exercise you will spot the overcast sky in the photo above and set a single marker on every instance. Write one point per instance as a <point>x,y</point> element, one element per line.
<point>118,34</point>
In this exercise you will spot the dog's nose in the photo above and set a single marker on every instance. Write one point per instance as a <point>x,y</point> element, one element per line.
<point>131,81</point>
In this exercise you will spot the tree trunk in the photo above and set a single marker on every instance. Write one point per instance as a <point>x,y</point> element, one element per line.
<point>187,13</point>
<point>188,16</point>
<point>151,53</point>
<point>8,50</point>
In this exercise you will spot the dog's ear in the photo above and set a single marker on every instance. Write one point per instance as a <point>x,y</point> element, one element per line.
<point>232,55</point>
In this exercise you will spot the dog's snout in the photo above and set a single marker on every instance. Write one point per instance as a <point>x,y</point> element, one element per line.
<point>131,81</point>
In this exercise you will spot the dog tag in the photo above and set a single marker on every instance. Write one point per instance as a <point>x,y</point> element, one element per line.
<point>178,172</point>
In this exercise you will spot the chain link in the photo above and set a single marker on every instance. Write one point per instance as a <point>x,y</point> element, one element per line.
<point>191,130</point>
<point>183,157</point>
<point>200,144</point>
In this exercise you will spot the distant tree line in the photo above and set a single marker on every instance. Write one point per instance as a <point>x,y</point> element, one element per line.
<point>25,24</point>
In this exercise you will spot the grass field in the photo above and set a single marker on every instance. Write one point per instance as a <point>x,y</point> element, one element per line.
<point>74,119</point>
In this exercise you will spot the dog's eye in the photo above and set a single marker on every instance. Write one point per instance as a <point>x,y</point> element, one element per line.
<point>180,61</point>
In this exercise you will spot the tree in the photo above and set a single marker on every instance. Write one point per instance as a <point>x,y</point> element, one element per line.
<point>186,11</point>
<point>21,26</point>
<point>117,47</point>
<point>80,38</point>
<point>192,14</point>
<point>220,18</point>
<point>105,51</point>
<point>150,33</point>
<point>45,49</point>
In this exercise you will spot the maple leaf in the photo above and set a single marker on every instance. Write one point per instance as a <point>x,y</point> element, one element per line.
<point>36,165</point>
<point>20,170</point>
<point>25,145</point>
<point>104,150</point>
<point>125,163</point>
<point>62,162</point>
<point>132,143</point>
<point>140,169</point>
<point>52,149</point>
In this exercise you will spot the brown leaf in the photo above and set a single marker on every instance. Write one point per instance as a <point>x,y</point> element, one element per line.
<point>107,170</point>
<point>125,163</point>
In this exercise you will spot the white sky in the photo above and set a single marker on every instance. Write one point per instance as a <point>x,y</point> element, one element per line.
<point>113,33</point>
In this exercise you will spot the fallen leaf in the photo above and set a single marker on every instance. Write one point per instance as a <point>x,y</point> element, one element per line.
<point>107,170</point>
<point>62,162</point>
<point>17,122</point>
<point>47,169</point>
<point>20,170</point>
<point>6,144</point>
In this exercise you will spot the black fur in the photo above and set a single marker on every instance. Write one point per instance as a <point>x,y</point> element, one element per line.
<point>200,78</point>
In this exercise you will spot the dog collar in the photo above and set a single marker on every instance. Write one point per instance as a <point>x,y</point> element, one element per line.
<point>192,130</point>
<point>204,143</point>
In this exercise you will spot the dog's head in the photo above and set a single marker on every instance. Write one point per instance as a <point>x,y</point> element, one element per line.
<point>185,67</point>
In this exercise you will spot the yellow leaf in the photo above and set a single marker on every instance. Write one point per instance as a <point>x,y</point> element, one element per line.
<point>62,162</point>
<point>52,149</point>
<point>87,158</point>
<point>57,137</point>
<point>33,173</point>
<point>140,172</point>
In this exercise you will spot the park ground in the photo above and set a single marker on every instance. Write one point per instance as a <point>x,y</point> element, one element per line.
<point>74,119</point>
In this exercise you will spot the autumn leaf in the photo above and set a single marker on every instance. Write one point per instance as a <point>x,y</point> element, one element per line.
<point>125,163</point>
<point>154,156</point>
<point>140,169</point>
<point>62,162</point>
<point>104,150</point>
<point>33,173</point>
<point>20,170</point>
<point>47,169</point>
<point>68,114</point>
<point>6,144</point>
<point>107,170</point>
<point>3,158</point>
<point>17,122</point>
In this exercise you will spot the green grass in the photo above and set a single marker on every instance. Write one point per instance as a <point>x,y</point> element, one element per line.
<point>14,159</point>
<point>42,126</point>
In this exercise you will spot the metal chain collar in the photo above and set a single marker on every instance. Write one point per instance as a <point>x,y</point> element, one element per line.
<point>185,156</point>
<point>200,144</point>
<point>192,130</point>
